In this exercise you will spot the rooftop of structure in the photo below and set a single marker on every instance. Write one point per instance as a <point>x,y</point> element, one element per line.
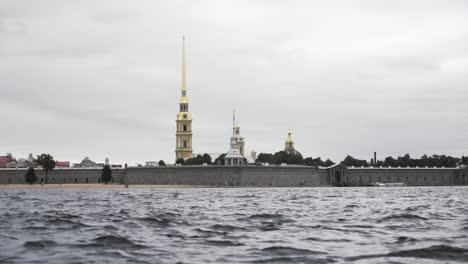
<point>233,153</point>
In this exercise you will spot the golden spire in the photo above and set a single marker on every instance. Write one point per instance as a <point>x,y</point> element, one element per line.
<point>233,121</point>
<point>184,82</point>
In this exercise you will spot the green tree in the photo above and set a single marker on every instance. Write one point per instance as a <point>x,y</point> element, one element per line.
<point>350,161</point>
<point>220,159</point>
<point>308,161</point>
<point>106,174</point>
<point>199,160</point>
<point>293,159</point>
<point>328,163</point>
<point>390,162</point>
<point>317,162</point>
<point>47,162</point>
<point>265,158</point>
<point>162,163</point>
<point>207,158</point>
<point>464,160</point>
<point>30,176</point>
<point>180,161</point>
<point>280,157</point>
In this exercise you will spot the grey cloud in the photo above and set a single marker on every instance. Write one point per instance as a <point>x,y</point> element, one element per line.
<point>102,79</point>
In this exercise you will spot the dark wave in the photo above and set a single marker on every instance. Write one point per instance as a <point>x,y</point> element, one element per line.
<point>114,241</point>
<point>39,244</point>
<point>439,252</point>
<point>281,250</point>
<point>155,220</point>
<point>417,208</point>
<point>248,196</point>
<point>405,240</point>
<point>402,217</point>
<point>210,232</point>
<point>224,243</point>
<point>226,228</point>
<point>295,259</point>
<point>318,239</point>
<point>269,226</point>
<point>266,216</point>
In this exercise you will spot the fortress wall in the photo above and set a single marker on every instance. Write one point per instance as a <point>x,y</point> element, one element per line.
<point>91,175</point>
<point>409,176</point>
<point>283,176</point>
<point>264,176</point>
<point>261,176</point>
<point>228,176</point>
<point>183,175</point>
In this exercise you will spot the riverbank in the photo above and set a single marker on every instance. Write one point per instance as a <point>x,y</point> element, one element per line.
<point>92,186</point>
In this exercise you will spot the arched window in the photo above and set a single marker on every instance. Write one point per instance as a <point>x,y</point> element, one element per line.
<point>185,128</point>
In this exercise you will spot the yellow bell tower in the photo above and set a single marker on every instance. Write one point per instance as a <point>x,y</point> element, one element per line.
<point>184,118</point>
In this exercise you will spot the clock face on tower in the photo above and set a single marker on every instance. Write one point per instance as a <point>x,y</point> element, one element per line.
<point>185,117</point>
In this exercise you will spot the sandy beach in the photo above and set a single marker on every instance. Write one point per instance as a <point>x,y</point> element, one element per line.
<point>91,186</point>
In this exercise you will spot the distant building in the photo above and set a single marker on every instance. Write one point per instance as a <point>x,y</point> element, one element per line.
<point>151,164</point>
<point>253,154</point>
<point>233,156</point>
<point>30,158</point>
<point>6,161</point>
<point>237,138</point>
<point>19,163</point>
<point>86,163</point>
<point>62,164</point>
<point>289,145</point>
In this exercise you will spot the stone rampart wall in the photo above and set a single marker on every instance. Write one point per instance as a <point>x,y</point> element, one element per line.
<point>260,176</point>
<point>229,176</point>
<point>184,175</point>
<point>409,176</point>
<point>91,175</point>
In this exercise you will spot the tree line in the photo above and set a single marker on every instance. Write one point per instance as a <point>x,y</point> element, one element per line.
<point>408,161</point>
<point>282,157</point>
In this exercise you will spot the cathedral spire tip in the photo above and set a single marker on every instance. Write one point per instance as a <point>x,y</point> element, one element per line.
<point>184,80</point>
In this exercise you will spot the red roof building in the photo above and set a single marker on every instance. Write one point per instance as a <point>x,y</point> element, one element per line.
<point>5,161</point>
<point>62,164</point>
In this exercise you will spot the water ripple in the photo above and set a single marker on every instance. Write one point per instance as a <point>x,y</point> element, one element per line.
<point>245,225</point>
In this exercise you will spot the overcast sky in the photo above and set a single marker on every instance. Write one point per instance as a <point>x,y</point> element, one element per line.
<point>102,78</point>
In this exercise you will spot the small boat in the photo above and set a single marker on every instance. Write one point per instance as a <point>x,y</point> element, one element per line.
<point>389,184</point>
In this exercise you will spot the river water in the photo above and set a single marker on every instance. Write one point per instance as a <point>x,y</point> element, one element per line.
<point>238,225</point>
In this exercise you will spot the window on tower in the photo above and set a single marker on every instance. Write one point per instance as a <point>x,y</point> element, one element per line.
<point>185,144</point>
<point>185,128</point>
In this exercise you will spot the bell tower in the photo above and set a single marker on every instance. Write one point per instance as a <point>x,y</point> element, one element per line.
<point>184,118</point>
